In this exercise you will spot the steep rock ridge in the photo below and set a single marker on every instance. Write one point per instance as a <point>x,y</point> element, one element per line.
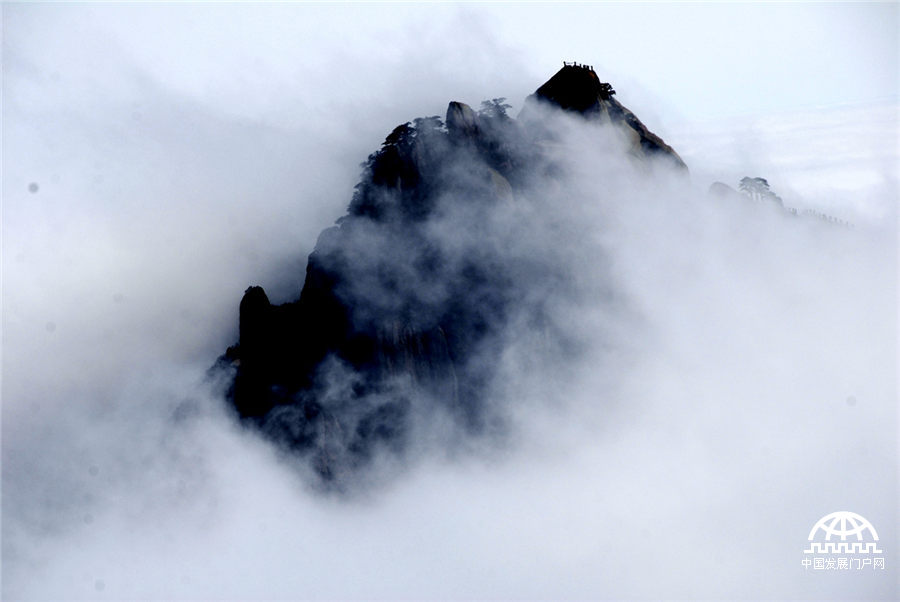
<point>757,191</point>
<point>404,304</point>
<point>577,88</point>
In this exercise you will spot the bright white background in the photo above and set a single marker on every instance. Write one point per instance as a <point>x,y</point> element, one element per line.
<point>181,152</point>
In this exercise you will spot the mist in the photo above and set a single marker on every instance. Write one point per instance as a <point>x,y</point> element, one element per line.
<point>735,374</point>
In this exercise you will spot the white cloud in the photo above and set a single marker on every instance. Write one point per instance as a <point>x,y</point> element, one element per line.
<point>186,153</point>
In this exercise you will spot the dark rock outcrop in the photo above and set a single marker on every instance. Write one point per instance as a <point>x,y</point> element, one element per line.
<point>462,122</point>
<point>577,88</point>
<point>390,316</point>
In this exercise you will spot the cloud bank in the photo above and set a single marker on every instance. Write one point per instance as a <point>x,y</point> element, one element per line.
<point>736,380</point>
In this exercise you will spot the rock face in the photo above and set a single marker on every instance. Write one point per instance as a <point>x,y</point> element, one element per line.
<point>577,88</point>
<point>403,304</point>
<point>462,122</point>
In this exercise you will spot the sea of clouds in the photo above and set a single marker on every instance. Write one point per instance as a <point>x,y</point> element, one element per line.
<point>737,379</point>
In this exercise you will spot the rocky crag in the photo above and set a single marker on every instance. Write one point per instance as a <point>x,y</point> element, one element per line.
<point>403,304</point>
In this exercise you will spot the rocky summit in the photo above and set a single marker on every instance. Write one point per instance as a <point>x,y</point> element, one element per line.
<point>404,306</point>
<point>577,88</point>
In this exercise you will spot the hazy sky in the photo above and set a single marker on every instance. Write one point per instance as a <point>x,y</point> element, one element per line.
<point>160,158</point>
<point>267,61</point>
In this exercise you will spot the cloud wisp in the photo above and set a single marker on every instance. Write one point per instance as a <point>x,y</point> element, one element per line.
<point>733,379</point>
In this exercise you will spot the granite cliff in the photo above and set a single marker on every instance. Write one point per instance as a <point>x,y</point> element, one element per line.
<point>406,300</point>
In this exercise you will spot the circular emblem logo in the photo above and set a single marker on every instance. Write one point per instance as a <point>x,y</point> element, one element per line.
<point>843,524</point>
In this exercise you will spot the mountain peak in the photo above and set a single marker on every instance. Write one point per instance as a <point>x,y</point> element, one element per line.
<point>576,87</point>
<point>403,298</point>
